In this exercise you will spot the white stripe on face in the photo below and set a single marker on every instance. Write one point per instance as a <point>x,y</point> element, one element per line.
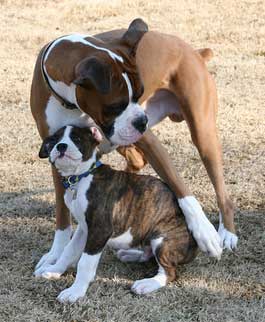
<point>68,163</point>
<point>124,131</point>
<point>129,86</point>
<point>71,163</point>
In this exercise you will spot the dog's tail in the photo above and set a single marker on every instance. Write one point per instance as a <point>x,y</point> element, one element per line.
<point>206,54</point>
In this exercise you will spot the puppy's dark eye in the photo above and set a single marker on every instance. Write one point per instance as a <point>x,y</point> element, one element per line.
<point>52,141</point>
<point>78,140</point>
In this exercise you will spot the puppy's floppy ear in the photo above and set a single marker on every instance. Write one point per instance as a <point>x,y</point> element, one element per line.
<point>96,134</point>
<point>92,72</point>
<point>45,148</point>
<point>135,32</point>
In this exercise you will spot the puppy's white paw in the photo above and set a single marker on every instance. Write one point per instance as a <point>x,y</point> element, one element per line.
<point>228,239</point>
<point>129,255</point>
<point>145,286</point>
<point>71,294</point>
<point>49,272</point>
<point>202,230</point>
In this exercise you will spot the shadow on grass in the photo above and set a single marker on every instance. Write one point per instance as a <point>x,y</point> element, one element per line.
<point>26,203</point>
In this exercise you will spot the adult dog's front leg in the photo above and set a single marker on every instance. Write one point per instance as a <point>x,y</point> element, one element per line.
<point>203,231</point>
<point>63,227</point>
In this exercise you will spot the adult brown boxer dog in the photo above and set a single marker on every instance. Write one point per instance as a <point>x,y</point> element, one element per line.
<point>104,78</point>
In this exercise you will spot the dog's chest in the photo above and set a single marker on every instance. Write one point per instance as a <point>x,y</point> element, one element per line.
<point>76,199</point>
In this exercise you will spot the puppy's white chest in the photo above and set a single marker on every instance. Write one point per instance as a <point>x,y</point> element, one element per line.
<point>76,200</point>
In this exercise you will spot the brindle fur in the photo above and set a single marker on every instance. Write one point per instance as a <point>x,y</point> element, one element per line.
<point>119,200</point>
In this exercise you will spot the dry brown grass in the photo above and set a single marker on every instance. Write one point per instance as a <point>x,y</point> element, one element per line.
<point>231,290</point>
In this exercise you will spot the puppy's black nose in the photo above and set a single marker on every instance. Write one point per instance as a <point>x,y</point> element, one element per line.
<point>61,147</point>
<point>140,123</point>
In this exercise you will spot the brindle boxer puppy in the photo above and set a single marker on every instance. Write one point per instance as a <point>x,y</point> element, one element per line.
<point>135,214</point>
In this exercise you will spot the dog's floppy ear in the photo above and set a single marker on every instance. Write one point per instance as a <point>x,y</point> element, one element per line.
<point>91,72</point>
<point>135,32</point>
<point>45,147</point>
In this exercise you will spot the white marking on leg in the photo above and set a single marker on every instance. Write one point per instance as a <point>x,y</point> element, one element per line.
<point>228,239</point>
<point>69,257</point>
<point>61,239</point>
<point>123,241</point>
<point>124,131</point>
<point>86,271</point>
<point>148,285</point>
<point>202,230</point>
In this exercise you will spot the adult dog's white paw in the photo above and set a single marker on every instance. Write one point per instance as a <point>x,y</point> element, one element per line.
<point>71,294</point>
<point>61,239</point>
<point>49,272</point>
<point>202,230</point>
<point>145,286</point>
<point>48,259</point>
<point>228,239</point>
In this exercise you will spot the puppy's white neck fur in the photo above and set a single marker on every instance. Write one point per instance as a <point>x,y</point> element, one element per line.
<point>81,167</point>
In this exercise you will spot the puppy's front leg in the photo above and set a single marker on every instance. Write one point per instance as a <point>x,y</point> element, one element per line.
<point>97,238</point>
<point>86,271</point>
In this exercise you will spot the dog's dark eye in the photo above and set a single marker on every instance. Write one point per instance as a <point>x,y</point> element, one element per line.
<point>137,94</point>
<point>76,139</point>
<point>115,109</point>
<point>52,141</point>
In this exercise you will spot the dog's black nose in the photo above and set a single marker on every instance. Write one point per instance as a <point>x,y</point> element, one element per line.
<point>61,147</point>
<point>140,123</point>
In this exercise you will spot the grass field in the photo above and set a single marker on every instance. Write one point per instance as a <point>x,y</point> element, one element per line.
<point>230,290</point>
